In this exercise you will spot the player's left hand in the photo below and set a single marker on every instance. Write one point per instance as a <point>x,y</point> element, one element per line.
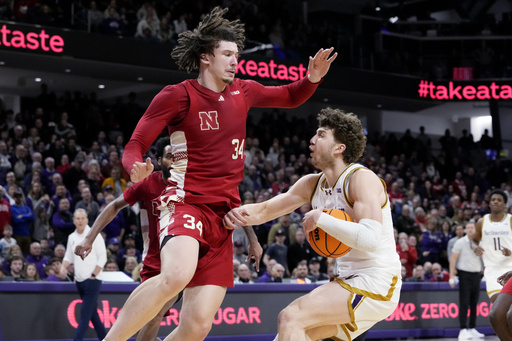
<point>254,254</point>
<point>506,252</point>
<point>141,170</point>
<point>320,64</point>
<point>503,279</point>
<point>310,219</point>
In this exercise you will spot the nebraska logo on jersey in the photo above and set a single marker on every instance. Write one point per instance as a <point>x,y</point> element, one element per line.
<point>209,120</point>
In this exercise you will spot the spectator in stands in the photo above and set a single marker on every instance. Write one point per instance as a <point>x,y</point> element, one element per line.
<point>46,250</point>
<point>20,163</point>
<point>315,274</point>
<point>113,249</point>
<point>5,211</point>
<point>88,204</point>
<point>75,174</point>
<point>180,25</point>
<point>407,224</point>
<point>431,243</point>
<point>94,177</point>
<point>64,164</point>
<point>130,264</point>
<point>113,24</point>
<point>115,181</point>
<point>16,267</point>
<point>287,227</point>
<point>244,274</point>
<point>5,163</point>
<point>111,265</point>
<point>418,274</point>
<point>35,258</point>
<point>7,241</point>
<point>267,274</point>
<point>62,222</point>
<point>300,250</point>
<point>278,250</point>
<point>408,255</point>
<point>94,17</point>
<point>59,251</point>
<point>53,269</point>
<point>22,217</point>
<point>61,192</point>
<point>439,274</point>
<point>30,273</point>
<point>301,273</point>
<point>148,28</point>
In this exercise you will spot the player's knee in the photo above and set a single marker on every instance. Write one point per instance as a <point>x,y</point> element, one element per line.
<point>198,330</point>
<point>172,284</point>
<point>286,317</point>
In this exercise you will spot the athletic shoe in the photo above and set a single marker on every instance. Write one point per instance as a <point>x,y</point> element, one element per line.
<point>476,334</point>
<point>464,334</point>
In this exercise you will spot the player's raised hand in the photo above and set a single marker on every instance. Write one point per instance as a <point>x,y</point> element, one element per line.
<point>320,64</point>
<point>235,218</point>
<point>141,170</point>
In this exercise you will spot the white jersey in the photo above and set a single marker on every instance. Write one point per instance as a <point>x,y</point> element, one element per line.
<point>495,235</point>
<point>385,259</point>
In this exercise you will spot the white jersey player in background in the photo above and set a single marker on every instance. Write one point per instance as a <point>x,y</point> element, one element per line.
<point>367,287</point>
<point>494,239</point>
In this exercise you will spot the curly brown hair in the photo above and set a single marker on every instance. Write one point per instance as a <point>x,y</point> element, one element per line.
<point>347,129</point>
<point>206,37</point>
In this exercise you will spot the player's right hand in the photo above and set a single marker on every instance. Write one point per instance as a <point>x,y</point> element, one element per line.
<point>235,218</point>
<point>83,249</point>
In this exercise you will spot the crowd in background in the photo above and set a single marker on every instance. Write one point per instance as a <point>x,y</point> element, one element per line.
<point>49,166</point>
<point>294,35</point>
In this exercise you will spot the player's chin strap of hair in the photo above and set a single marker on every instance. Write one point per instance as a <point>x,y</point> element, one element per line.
<point>361,236</point>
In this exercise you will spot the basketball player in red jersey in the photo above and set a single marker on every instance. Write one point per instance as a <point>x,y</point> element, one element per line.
<point>206,121</point>
<point>146,192</point>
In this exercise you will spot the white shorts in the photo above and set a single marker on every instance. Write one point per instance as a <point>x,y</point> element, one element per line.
<point>372,300</point>
<point>491,280</point>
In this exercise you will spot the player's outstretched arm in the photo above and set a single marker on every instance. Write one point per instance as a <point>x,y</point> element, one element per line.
<point>84,248</point>
<point>256,214</point>
<point>320,64</point>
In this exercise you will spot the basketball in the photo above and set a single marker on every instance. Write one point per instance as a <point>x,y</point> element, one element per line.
<point>323,243</point>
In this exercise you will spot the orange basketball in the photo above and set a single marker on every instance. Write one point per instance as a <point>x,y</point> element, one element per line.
<point>324,244</point>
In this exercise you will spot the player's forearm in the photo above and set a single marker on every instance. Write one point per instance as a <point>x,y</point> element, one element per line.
<point>105,217</point>
<point>363,235</point>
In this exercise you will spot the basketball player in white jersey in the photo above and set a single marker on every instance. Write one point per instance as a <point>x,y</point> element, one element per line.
<point>367,287</point>
<point>494,239</point>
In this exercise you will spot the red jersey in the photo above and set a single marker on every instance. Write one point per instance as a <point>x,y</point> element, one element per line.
<point>147,193</point>
<point>207,131</point>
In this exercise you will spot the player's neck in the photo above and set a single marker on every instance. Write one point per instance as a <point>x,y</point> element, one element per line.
<point>497,216</point>
<point>332,173</point>
<point>205,79</point>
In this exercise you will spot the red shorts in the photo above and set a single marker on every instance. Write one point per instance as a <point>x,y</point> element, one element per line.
<point>204,223</point>
<point>507,289</point>
<point>148,272</point>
